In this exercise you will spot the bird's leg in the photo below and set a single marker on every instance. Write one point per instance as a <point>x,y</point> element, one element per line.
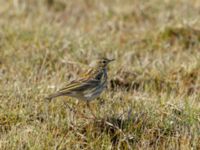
<point>101,101</point>
<point>76,111</point>
<point>101,104</point>
<point>88,105</point>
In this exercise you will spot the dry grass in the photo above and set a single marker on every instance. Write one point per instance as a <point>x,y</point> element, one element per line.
<point>153,99</point>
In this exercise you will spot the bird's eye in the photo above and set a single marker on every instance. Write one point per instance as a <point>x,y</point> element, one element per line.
<point>104,61</point>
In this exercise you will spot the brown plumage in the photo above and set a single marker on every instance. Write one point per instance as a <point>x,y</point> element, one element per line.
<point>89,86</point>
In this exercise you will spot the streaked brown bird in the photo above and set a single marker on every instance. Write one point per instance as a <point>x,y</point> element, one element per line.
<point>89,86</point>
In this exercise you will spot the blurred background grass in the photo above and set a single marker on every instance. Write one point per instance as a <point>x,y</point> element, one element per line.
<point>153,99</point>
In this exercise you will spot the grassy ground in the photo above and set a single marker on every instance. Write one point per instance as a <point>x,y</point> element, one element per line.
<point>153,99</point>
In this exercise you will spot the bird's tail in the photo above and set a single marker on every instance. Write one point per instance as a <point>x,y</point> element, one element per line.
<point>54,95</point>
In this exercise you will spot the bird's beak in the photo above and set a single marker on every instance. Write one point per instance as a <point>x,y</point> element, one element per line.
<point>111,60</point>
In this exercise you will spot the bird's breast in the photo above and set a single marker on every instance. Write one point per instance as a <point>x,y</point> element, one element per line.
<point>95,92</point>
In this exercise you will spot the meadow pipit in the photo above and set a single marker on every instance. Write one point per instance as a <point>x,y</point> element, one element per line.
<point>89,86</point>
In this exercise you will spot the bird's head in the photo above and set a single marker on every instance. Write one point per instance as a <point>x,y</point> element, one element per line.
<point>103,62</point>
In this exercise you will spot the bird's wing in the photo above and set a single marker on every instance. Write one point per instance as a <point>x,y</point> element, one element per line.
<point>67,89</point>
<point>79,85</point>
<point>88,73</point>
<point>87,78</point>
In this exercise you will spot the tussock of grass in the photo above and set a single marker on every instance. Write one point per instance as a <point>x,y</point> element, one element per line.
<point>188,37</point>
<point>152,101</point>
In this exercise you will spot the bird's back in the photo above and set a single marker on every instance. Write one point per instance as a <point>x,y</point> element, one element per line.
<point>86,88</point>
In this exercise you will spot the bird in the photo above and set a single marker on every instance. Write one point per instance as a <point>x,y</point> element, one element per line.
<point>88,86</point>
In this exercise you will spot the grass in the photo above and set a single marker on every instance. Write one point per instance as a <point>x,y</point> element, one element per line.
<point>153,98</point>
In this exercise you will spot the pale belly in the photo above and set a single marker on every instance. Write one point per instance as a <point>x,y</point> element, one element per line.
<point>93,95</point>
<point>88,95</point>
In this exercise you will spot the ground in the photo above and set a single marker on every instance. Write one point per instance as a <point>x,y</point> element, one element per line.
<point>153,95</point>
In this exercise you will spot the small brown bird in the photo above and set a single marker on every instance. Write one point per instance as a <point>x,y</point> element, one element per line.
<point>89,86</point>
